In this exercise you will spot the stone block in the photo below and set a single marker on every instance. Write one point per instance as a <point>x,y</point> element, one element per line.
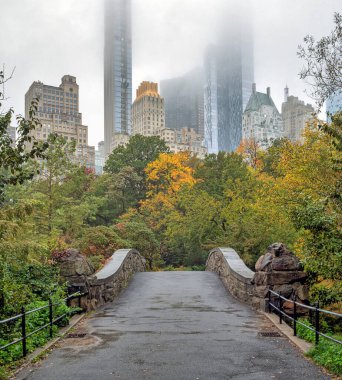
<point>285,263</point>
<point>263,262</point>
<point>261,291</point>
<point>301,291</point>
<point>278,277</point>
<point>286,290</point>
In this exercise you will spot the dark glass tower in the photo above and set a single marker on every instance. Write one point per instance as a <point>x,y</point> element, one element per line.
<point>117,70</point>
<point>229,76</point>
<point>184,101</point>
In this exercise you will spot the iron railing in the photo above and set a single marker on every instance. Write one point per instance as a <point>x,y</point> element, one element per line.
<point>52,320</point>
<point>293,317</point>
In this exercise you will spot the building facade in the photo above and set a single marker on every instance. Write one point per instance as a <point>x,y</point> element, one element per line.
<point>99,158</point>
<point>148,119</point>
<point>58,112</point>
<point>295,114</point>
<point>262,121</point>
<point>184,103</point>
<point>334,104</point>
<point>12,134</point>
<point>229,74</point>
<point>148,113</point>
<point>117,71</point>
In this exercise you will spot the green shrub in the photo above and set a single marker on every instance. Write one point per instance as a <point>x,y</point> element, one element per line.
<point>326,353</point>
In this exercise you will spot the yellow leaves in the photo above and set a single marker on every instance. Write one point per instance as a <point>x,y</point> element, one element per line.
<point>169,173</point>
<point>165,178</point>
<point>251,151</point>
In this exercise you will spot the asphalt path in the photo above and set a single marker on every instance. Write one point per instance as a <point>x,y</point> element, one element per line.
<point>174,325</point>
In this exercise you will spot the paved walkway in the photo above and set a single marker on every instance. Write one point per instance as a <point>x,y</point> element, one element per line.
<point>174,325</point>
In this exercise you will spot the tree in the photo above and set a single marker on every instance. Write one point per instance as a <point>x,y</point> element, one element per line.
<point>52,172</point>
<point>322,68</point>
<point>251,151</point>
<point>14,155</point>
<point>137,154</point>
<point>168,173</point>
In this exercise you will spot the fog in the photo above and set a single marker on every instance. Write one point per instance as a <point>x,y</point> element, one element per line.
<point>45,39</point>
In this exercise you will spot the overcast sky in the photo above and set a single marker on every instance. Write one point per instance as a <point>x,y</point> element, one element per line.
<point>45,39</point>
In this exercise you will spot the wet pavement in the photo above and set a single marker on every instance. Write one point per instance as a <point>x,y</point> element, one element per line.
<point>174,325</point>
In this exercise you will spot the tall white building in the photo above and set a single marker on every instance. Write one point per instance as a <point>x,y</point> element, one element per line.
<point>261,120</point>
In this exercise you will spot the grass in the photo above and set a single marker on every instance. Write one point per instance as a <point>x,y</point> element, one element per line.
<point>326,353</point>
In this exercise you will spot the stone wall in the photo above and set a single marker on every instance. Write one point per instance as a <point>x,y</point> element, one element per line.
<point>233,272</point>
<point>278,270</point>
<point>104,285</point>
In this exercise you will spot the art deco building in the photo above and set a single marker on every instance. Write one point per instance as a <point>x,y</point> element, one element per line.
<point>149,120</point>
<point>184,103</point>
<point>229,74</point>
<point>58,111</point>
<point>117,71</point>
<point>148,114</point>
<point>295,114</point>
<point>262,121</point>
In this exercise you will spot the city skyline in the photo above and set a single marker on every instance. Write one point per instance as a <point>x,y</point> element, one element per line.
<point>82,41</point>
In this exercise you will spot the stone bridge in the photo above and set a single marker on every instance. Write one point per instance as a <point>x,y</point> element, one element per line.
<point>180,325</point>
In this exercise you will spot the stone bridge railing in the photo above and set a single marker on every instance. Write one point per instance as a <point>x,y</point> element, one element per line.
<point>233,272</point>
<point>105,285</point>
<point>277,270</point>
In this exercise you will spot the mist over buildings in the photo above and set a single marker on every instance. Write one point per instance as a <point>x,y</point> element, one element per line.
<point>49,39</point>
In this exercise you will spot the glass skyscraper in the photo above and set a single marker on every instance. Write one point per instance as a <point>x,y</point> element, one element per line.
<point>334,104</point>
<point>229,76</point>
<point>117,70</point>
<point>184,101</point>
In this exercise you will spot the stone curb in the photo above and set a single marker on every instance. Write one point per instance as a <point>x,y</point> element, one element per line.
<point>35,354</point>
<point>288,332</point>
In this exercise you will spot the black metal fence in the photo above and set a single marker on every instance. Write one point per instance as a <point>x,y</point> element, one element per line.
<point>277,305</point>
<point>49,325</point>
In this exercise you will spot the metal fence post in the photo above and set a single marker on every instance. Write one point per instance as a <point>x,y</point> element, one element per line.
<point>317,323</point>
<point>23,330</point>
<point>280,309</point>
<point>50,317</point>
<point>295,316</point>
<point>79,297</point>
<point>269,301</point>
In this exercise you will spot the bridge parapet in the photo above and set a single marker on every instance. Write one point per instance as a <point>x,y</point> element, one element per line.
<point>234,274</point>
<point>105,285</point>
<point>278,269</point>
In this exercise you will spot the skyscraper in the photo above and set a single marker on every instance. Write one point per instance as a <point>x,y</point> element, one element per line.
<point>184,101</point>
<point>117,70</point>
<point>334,104</point>
<point>229,76</point>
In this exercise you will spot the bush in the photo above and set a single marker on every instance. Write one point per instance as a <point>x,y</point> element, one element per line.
<point>100,242</point>
<point>326,353</point>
